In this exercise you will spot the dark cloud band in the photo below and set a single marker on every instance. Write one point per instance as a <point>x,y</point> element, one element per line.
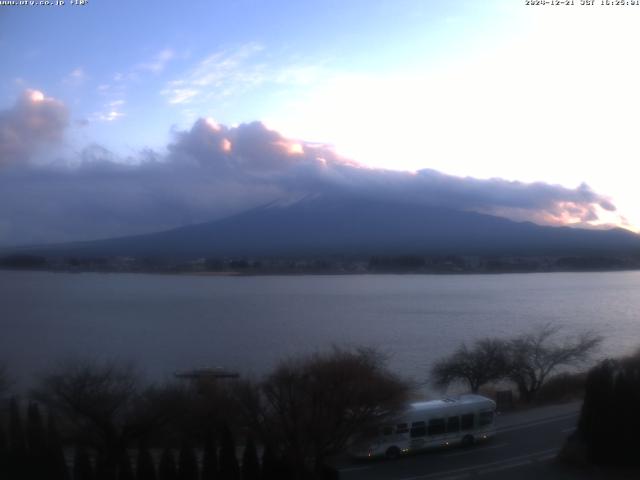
<point>213,170</point>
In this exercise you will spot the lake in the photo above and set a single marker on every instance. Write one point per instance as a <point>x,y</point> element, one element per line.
<point>165,323</point>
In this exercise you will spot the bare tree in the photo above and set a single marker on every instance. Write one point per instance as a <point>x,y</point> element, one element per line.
<point>103,400</point>
<point>484,362</point>
<point>311,406</point>
<point>535,355</point>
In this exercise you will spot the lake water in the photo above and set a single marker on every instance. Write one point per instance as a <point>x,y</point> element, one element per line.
<point>166,323</point>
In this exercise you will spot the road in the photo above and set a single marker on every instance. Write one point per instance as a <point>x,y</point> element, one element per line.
<point>524,446</point>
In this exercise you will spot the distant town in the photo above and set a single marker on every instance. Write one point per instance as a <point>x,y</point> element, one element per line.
<point>335,265</point>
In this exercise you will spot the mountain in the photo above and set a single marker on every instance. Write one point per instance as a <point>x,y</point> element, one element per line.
<point>356,226</point>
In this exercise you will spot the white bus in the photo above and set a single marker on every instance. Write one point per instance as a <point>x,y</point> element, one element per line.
<point>461,420</point>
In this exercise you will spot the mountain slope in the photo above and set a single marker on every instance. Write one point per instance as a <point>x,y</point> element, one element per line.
<point>356,226</point>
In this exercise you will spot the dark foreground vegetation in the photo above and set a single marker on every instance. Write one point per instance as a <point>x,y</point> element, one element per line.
<point>609,425</point>
<point>87,420</point>
<point>103,422</point>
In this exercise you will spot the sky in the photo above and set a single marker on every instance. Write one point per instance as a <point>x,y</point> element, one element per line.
<point>129,117</point>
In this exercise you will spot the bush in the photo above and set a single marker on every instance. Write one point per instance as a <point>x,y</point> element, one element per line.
<point>563,387</point>
<point>610,411</point>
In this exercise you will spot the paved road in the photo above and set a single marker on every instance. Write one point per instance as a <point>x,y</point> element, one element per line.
<point>525,443</point>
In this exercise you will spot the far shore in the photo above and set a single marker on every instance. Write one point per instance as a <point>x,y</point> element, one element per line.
<point>279,273</point>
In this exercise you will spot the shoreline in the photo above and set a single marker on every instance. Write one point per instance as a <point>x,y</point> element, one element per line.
<point>283,273</point>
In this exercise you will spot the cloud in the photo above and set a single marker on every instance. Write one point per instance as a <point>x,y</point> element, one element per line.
<point>115,90</point>
<point>213,170</point>
<point>75,78</point>
<point>158,62</point>
<point>220,74</point>
<point>34,122</point>
<point>538,201</point>
<point>181,95</point>
<point>231,72</point>
<point>111,111</point>
<point>258,155</point>
<point>109,116</point>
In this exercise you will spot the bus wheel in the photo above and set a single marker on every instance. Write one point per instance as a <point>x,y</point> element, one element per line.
<point>392,453</point>
<point>468,440</point>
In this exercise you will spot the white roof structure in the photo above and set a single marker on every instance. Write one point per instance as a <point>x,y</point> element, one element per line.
<point>448,401</point>
<point>448,406</point>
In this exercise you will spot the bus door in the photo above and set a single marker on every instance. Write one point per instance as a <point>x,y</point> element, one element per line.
<point>437,431</point>
<point>417,435</point>
<point>453,429</point>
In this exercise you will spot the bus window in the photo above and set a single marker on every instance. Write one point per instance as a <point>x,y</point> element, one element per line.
<point>387,430</point>
<point>486,418</point>
<point>466,421</point>
<point>436,426</point>
<point>402,428</point>
<point>453,424</point>
<point>418,429</point>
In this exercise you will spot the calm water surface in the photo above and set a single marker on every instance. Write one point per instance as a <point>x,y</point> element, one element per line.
<point>168,323</point>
